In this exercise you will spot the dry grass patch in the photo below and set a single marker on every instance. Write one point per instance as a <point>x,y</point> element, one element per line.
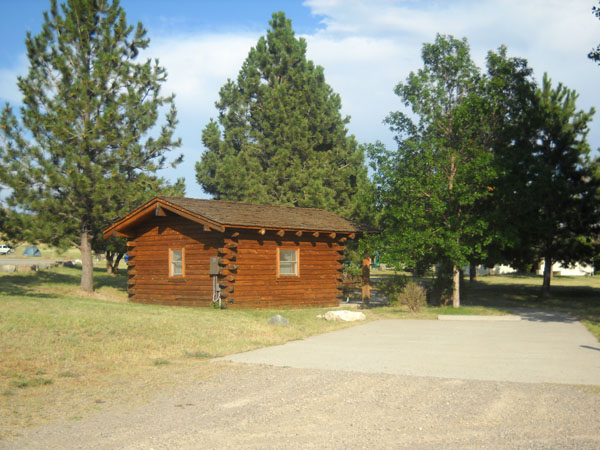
<point>64,353</point>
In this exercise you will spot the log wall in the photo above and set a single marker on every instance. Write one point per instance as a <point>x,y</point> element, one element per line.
<point>257,285</point>
<point>148,265</point>
<point>248,266</point>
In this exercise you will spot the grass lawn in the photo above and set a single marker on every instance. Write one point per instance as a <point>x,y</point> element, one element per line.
<point>578,296</point>
<point>491,295</point>
<point>64,352</point>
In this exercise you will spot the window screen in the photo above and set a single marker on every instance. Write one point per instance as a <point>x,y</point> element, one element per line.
<point>177,263</point>
<point>288,262</point>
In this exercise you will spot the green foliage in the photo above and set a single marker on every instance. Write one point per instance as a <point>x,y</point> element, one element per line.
<point>280,137</point>
<point>391,287</point>
<point>400,291</point>
<point>430,189</point>
<point>442,286</point>
<point>555,183</point>
<point>85,151</point>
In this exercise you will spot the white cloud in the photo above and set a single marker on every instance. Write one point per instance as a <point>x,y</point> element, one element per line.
<point>198,65</point>
<point>9,92</point>
<point>367,47</point>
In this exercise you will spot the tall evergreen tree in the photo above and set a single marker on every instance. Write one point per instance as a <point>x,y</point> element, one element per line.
<point>280,137</point>
<point>88,111</point>
<point>555,185</point>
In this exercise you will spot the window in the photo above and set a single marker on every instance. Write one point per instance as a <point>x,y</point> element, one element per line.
<point>287,262</point>
<point>176,262</point>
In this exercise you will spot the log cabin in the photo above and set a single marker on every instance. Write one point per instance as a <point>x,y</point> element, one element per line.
<point>195,252</point>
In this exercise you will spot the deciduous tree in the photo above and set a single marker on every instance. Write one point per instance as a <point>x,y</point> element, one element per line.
<point>430,188</point>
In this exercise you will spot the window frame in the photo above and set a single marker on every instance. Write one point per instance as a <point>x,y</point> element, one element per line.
<point>182,275</point>
<point>285,275</point>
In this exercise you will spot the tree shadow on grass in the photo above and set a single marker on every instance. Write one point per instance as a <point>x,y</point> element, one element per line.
<point>28,284</point>
<point>103,279</point>
<point>580,301</point>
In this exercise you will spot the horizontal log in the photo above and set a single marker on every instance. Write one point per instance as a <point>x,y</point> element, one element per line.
<point>184,284</point>
<point>277,242</point>
<point>156,239</point>
<point>231,244</point>
<point>159,287</point>
<point>198,247</point>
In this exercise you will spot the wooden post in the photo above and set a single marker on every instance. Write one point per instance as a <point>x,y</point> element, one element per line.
<point>366,282</point>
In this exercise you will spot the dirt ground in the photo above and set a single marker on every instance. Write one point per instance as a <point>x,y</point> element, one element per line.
<point>255,406</point>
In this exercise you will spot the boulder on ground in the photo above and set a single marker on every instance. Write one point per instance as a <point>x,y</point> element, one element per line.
<point>279,320</point>
<point>343,316</point>
<point>27,268</point>
<point>9,268</point>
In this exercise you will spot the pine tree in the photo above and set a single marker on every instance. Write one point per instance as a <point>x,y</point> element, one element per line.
<point>280,137</point>
<point>88,111</point>
<point>558,187</point>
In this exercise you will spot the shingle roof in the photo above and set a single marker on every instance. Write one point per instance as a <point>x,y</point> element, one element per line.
<point>264,216</point>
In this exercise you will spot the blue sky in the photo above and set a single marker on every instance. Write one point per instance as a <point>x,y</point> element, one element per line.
<point>365,46</point>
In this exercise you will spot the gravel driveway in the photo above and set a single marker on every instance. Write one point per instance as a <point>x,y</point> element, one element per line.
<point>260,406</point>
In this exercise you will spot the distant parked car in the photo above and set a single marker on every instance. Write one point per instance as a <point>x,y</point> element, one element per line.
<point>6,249</point>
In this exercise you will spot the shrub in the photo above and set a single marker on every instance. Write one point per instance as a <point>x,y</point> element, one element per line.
<point>414,296</point>
<point>391,287</point>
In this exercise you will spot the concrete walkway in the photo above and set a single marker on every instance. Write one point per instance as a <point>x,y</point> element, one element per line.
<point>542,347</point>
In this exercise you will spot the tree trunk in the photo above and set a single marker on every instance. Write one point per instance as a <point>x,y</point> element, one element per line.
<point>547,276</point>
<point>115,269</point>
<point>87,262</point>
<point>109,262</point>
<point>472,272</point>
<point>112,262</point>
<point>456,283</point>
<point>366,282</point>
